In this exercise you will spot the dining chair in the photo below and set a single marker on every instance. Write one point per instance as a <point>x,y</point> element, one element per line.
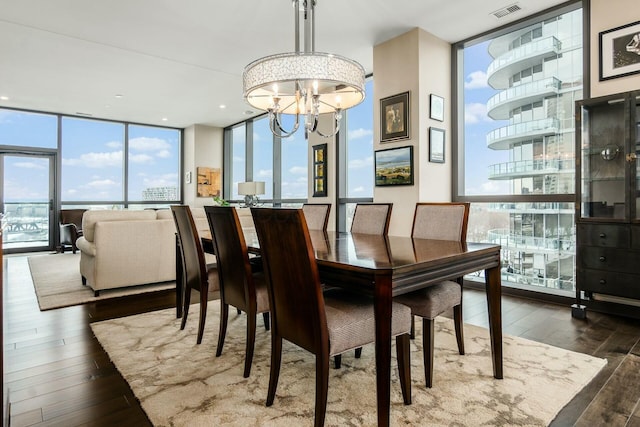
<point>196,274</point>
<point>323,323</point>
<point>371,218</point>
<point>239,285</point>
<point>437,221</point>
<point>316,215</point>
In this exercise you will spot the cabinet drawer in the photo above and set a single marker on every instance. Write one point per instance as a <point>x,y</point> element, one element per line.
<point>605,235</point>
<point>603,282</point>
<point>609,259</point>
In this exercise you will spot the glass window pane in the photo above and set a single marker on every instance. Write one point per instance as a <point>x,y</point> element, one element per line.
<point>360,146</point>
<point>263,155</point>
<point>239,161</point>
<point>154,164</point>
<point>26,129</point>
<point>295,161</point>
<point>92,161</point>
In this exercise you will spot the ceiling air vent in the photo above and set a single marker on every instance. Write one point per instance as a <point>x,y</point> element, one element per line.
<point>508,10</point>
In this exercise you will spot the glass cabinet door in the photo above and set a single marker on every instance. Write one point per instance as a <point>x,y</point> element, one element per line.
<point>635,148</point>
<point>603,136</point>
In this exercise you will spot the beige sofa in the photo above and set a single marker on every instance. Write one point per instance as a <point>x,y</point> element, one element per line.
<point>123,248</point>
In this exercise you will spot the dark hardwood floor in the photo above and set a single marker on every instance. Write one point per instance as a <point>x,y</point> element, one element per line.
<point>56,373</point>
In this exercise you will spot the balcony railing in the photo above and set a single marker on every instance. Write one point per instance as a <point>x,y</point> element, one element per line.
<point>531,243</point>
<point>499,105</point>
<point>530,167</point>
<point>525,55</point>
<point>502,138</point>
<point>25,223</point>
<point>537,207</point>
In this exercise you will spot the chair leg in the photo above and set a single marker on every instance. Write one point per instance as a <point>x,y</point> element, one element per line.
<point>267,324</point>
<point>337,361</point>
<point>251,339</point>
<point>224,316</point>
<point>358,352</point>
<point>427,349</point>
<point>204,292</point>
<point>239,311</point>
<point>412,334</point>
<point>276,358</point>
<point>185,306</point>
<point>457,317</point>
<point>403,354</point>
<point>322,387</point>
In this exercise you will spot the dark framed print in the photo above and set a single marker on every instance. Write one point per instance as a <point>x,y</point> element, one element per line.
<point>394,117</point>
<point>436,107</point>
<point>394,166</point>
<point>320,170</point>
<point>436,145</point>
<point>620,51</point>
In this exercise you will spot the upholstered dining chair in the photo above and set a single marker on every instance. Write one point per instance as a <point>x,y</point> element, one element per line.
<point>316,215</point>
<point>239,285</point>
<point>326,323</point>
<point>437,221</point>
<point>70,228</point>
<point>371,218</point>
<point>196,274</point>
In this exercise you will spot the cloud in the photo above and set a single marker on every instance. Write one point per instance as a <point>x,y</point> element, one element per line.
<point>361,163</point>
<point>165,154</point>
<point>359,133</point>
<point>265,173</point>
<point>96,160</point>
<point>476,80</point>
<point>148,144</point>
<point>359,189</point>
<point>114,144</point>
<point>140,158</point>
<point>298,170</point>
<point>476,112</point>
<point>29,165</point>
<point>102,183</point>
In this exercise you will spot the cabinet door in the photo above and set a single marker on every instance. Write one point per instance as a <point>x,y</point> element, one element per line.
<point>603,133</point>
<point>635,150</point>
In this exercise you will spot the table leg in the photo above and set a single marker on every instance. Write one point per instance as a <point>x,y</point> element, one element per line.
<point>179,280</point>
<point>383,299</point>
<point>494,303</point>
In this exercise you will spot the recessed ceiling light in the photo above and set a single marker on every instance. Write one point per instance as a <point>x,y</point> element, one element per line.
<point>248,112</point>
<point>119,96</point>
<point>4,98</point>
<point>223,106</point>
<point>164,119</point>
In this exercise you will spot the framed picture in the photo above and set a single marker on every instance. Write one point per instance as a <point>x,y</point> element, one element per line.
<point>394,166</point>
<point>436,110</point>
<point>620,51</point>
<point>209,182</point>
<point>436,145</point>
<point>320,170</point>
<point>394,117</point>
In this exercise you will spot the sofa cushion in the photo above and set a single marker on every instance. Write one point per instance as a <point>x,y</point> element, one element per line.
<point>90,218</point>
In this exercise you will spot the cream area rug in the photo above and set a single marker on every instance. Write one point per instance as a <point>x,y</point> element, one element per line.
<point>57,281</point>
<point>180,383</point>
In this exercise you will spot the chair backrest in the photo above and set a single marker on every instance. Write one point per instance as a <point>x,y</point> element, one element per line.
<point>295,292</point>
<point>441,221</point>
<point>316,215</point>
<point>193,262</point>
<point>232,257</point>
<point>371,218</point>
<point>72,216</point>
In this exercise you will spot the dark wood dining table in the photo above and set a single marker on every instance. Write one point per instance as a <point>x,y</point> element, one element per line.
<point>386,266</point>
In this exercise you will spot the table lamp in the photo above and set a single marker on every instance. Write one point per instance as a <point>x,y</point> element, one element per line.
<point>250,191</point>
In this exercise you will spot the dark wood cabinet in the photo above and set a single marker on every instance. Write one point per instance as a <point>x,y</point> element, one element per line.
<point>608,205</point>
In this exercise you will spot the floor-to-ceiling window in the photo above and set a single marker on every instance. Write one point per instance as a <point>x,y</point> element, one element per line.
<point>516,92</point>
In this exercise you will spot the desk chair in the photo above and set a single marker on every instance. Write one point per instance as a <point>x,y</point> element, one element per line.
<point>239,286</point>
<point>316,215</point>
<point>326,323</point>
<point>195,272</point>
<point>437,221</point>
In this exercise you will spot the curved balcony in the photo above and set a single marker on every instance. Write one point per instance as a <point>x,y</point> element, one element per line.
<point>525,168</point>
<point>524,56</point>
<point>564,245</point>
<point>552,208</point>
<point>502,138</point>
<point>499,105</point>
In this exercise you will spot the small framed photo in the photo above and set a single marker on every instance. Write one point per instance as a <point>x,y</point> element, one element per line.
<point>319,170</point>
<point>436,145</point>
<point>394,166</point>
<point>394,117</point>
<point>436,110</point>
<point>620,51</point>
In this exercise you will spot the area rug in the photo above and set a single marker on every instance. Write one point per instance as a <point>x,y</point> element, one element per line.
<point>57,281</point>
<point>179,383</point>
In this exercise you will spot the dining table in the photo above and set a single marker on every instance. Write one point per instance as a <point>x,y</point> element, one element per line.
<point>387,266</point>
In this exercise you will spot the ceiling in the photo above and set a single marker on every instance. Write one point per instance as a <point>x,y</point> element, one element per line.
<point>147,60</point>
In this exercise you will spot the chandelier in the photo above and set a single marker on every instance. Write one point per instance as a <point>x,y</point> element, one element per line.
<point>306,83</point>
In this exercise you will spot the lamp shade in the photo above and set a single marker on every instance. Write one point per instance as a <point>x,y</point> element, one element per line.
<point>250,188</point>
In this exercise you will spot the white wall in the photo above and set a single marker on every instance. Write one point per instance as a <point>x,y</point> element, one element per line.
<point>202,147</point>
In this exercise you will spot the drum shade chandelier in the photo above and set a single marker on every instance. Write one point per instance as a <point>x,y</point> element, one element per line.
<point>305,83</point>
